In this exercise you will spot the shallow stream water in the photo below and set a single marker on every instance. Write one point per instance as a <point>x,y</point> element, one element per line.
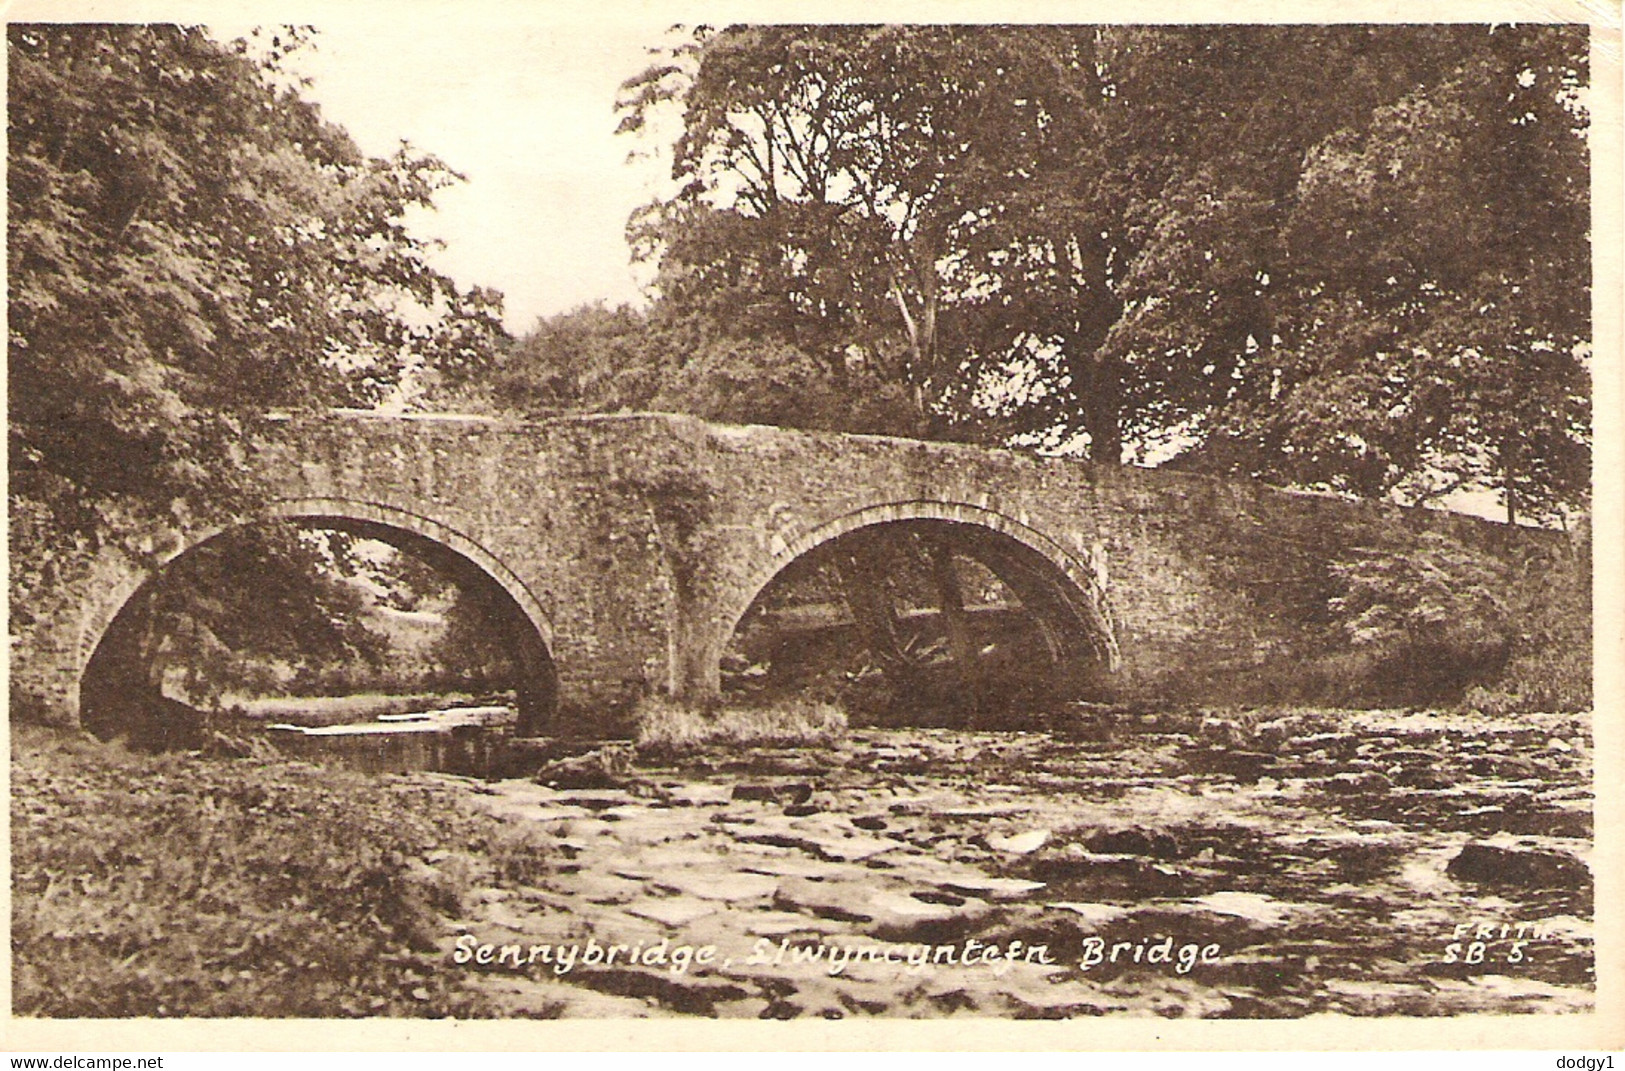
<point>1265,865</point>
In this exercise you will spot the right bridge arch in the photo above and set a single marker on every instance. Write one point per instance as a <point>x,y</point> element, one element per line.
<point>952,605</point>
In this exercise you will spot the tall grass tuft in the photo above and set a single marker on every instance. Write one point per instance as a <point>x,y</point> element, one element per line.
<point>666,727</point>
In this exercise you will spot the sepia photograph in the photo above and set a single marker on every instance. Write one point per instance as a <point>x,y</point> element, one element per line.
<point>629,515</point>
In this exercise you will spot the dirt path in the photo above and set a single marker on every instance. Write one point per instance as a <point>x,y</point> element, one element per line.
<point>1368,864</point>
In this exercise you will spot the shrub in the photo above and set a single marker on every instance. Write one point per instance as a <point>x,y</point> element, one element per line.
<point>1425,622</point>
<point>1443,622</point>
<point>1550,667</point>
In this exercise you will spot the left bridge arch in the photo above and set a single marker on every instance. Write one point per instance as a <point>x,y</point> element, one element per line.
<point>108,680</point>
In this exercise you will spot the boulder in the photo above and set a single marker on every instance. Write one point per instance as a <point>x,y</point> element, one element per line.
<point>1153,843</point>
<point>1532,868</point>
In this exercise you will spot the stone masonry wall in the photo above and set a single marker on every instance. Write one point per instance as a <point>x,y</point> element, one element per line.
<point>638,541</point>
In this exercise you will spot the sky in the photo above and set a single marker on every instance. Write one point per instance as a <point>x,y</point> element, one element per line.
<point>521,102</point>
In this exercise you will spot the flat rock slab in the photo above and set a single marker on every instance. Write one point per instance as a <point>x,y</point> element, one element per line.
<point>515,789</point>
<point>1020,843</point>
<point>593,799</point>
<point>523,809</point>
<point>1530,867</point>
<point>784,923</point>
<point>825,843</point>
<point>674,912</point>
<point>581,830</point>
<point>985,810</point>
<point>821,825</point>
<point>989,887</point>
<point>792,792</point>
<point>700,794</point>
<point>661,859</point>
<point>718,883</point>
<point>600,888</point>
<point>1150,842</point>
<point>893,910</point>
<point>1254,907</point>
<point>848,849</point>
<point>635,825</point>
<point>1094,914</point>
<point>843,901</point>
<point>790,866</point>
<point>506,916</point>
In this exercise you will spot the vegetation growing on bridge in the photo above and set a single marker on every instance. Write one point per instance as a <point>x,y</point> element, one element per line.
<point>1440,624</point>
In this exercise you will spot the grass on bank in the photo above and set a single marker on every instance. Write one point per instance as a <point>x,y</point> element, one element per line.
<point>180,885</point>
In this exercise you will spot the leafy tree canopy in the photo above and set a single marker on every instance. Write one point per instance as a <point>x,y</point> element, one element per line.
<point>190,246</point>
<point>594,359</point>
<point>1353,258</point>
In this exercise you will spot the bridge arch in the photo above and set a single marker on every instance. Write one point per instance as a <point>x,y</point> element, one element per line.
<point>456,554</point>
<point>1071,589</point>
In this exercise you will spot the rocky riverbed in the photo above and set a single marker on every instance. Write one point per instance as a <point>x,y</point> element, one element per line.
<point>1257,865</point>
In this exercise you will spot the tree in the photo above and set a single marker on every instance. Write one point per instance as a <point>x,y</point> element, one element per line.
<point>590,358</point>
<point>1427,299</point>
<point>189,631</point>
<point>1157,242</point>
<point>191,245</point>
<point>829,178</point>
<point>593,359</point>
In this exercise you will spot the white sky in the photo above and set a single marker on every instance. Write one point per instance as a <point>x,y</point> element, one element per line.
<point>522,106</point>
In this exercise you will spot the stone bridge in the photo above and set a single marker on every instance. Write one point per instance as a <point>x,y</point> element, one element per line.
<point>624,550</point>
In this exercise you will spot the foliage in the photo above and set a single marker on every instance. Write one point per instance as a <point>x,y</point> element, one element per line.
<point>472,650</point>
<point>1550,667</point>
<point>322,623</point>
<point>1440,619</point>
<point>1153,242</point>
<point>190,246</point>
<point>744,381</point>
<point>306,617</point>
<point>183,886</point>
<point>1431,321</point>
<point>590,358</point>
<point>1438,593</point>
<point>1446,621</point>
<point>593,359</point>
<point>825,176</point>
